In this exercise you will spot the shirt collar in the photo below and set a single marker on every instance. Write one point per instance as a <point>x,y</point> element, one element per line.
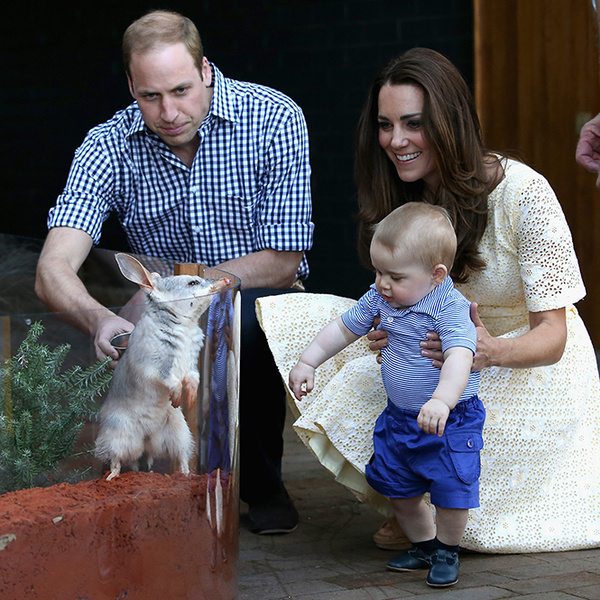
<point>224,100</point>
<point>432,303</point>
<point>137,125</point>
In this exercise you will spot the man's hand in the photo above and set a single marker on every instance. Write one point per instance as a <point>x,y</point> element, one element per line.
<point>587,153</point>
<point>433,416</point>
<point>107,329</point>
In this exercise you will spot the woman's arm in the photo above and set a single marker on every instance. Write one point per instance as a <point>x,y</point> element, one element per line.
<point>542,345</point>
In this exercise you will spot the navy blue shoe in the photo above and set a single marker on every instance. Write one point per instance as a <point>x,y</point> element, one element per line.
<point>411,560</point>
<point>444,568</point>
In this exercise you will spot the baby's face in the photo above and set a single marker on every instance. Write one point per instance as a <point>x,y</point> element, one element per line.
<point>401,282</point>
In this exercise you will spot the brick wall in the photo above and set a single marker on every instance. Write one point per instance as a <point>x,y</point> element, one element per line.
<point>61,74</point>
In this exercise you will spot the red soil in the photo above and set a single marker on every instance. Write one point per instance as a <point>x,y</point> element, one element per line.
<point>143,536</point>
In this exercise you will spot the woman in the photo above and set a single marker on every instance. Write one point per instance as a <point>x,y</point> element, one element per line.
<point>419,139</point>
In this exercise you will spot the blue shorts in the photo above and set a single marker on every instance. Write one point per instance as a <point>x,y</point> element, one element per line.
<point>407,462</point>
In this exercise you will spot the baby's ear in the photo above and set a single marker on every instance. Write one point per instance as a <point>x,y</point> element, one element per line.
<point>439,273</point>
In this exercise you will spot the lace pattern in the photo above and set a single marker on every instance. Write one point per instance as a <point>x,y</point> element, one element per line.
<point>540,481</point>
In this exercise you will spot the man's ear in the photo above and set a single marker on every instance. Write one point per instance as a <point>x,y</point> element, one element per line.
<point>439,273</point>
<point>130,85</point>
<point>206,73</point>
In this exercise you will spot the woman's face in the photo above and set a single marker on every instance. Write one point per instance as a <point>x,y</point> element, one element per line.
<point>401,134</point>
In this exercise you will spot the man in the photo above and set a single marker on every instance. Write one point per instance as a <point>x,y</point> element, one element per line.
<point>200,168</point>
<point>587,153</point>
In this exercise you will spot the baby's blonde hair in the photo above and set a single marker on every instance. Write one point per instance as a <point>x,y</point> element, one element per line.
<point>421,231</point>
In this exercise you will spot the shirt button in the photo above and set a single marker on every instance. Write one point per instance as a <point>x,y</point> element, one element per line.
<point>390,319</point>
<point>470,443</point>
<point>194,189</point>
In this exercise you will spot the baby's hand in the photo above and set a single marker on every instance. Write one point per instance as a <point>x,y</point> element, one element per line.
<point>433,416</point>
<point>302,379</point>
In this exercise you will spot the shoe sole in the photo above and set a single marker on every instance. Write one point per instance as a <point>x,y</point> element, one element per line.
<point>396,542</point>
<point>442,584</point>
<point>405,570</point>
<point>276,531</point>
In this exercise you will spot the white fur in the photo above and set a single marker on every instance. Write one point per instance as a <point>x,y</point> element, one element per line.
<point>156,374</point>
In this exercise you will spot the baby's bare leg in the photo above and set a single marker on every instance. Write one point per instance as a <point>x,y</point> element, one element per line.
<point>415,518</point>
<point>451,524</point>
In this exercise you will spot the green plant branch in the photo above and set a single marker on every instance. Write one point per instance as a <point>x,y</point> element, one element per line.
<point>43,411</point>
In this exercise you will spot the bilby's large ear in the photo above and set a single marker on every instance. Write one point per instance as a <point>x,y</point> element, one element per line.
<point>135,271</point>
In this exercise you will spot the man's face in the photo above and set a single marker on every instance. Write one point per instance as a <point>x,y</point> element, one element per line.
<point>172,94</point>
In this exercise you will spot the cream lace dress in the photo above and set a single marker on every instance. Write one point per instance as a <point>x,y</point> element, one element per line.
<point>540,480</point>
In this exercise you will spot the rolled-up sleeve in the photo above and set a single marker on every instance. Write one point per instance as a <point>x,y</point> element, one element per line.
<point>285,210</point>
<point>84,202</point>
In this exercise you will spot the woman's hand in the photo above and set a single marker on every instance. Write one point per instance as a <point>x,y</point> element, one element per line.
<point>485,342</point>
<point>542,345</point>
<point>587,153</point>
<point>378,339</point>
<point>432,346</point>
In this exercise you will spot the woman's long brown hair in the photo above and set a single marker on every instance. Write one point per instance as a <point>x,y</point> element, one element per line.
<point>452,130</point>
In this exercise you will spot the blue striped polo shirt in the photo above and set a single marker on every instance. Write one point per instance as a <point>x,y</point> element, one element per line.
<point>409,378</point>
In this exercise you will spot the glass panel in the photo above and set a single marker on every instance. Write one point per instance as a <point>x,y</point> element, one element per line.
<point>148,533</point>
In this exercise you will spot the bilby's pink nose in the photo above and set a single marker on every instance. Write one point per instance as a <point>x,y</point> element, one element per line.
<point>220,284</point>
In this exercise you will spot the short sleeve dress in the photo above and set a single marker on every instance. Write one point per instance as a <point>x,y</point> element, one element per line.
<point>540,479</point>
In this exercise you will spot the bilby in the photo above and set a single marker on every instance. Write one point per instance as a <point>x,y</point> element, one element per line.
<point>158,372</point>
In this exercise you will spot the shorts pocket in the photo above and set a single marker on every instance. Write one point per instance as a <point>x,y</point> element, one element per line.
<point>464,447</point>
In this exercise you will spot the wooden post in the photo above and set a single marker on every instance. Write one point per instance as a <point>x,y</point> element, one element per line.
<point>190,269</point>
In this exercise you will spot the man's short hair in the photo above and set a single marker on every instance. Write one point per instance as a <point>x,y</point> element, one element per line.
<point>161,28</point>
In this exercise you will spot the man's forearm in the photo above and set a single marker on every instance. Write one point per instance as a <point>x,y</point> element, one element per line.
<point>266,268</point>
<point>57,283</point>
<point>62,291</point>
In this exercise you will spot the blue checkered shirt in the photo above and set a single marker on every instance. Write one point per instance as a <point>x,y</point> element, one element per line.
<point>248,188</point>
